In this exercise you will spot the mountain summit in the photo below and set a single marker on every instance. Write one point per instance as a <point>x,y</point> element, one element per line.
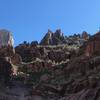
<point>53,38</point>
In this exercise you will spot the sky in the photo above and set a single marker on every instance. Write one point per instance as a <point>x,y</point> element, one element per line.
<point>29,20</point>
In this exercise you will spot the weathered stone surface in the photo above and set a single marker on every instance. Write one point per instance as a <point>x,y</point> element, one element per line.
<point>30,53</point>
<point>10,52</point>
<point>57,38</point>
<point>53,38</point>
<point>92,47</point>
<point>6,38</point>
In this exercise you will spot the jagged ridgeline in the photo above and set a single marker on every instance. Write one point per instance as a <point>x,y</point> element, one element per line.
<point>58,38</point>
<point>53,38</point>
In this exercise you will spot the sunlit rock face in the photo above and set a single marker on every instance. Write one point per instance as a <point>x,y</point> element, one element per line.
<point>53,38</point>
<point>6,38</point>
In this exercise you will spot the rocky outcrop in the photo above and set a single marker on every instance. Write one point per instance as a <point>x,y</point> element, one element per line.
<point>10,52</point>
<point>85,35</point>
<point>92,47</point>
<point>57,38</point>
<point>55,54</point>
<point>6,46</point>
<point>53,38</point>
<point>56,69</point>
<point>6,38</point>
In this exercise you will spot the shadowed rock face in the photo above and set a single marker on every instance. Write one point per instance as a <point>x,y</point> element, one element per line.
<point>92,46</point>
<point>56,54</point>
<point>9,51</point>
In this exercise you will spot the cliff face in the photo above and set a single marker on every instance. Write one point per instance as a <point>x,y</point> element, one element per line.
<point>6,38</point>
<point>92,46</point>
<point>6,46</point>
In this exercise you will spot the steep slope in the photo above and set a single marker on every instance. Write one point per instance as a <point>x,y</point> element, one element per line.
<point>53,38</point>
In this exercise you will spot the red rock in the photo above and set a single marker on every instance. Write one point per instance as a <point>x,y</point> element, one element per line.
<point>85,35</point>
<point>93,45</point>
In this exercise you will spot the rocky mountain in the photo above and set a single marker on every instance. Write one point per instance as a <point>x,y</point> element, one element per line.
<point>61,68</point>
<point>76,65</point>
<point>58,38</point>
<point>53,38</point>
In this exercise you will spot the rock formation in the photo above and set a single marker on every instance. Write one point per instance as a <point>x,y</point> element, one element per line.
<point>92,47</point>
<point>61,68</point>
<point>57,38</point>
<point>85,35</point>
<point>6,38</point>
<point>6,46</point>
<point>53,38</point>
